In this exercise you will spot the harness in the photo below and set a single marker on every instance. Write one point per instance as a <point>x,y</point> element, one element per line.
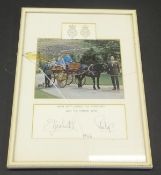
<point>90,70</point>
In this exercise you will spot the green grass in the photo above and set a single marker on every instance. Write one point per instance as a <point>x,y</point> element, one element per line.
<point>41,94</point>
<point>104,80</point>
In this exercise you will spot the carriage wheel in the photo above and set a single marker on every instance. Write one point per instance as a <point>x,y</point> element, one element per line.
<point>83,81</point>
<point>62,79</point>
<point>69,79</point>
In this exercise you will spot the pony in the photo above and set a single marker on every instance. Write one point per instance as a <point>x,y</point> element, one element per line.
<point>94,71</point>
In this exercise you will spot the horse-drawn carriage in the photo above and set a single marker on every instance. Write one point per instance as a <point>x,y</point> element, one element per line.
<point>66,74</point>
<point>65,71</point>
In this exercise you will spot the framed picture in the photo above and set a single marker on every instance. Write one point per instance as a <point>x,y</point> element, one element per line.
<point>79,95</point>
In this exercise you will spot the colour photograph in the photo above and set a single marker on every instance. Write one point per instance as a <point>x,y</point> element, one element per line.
<point>78,69</point>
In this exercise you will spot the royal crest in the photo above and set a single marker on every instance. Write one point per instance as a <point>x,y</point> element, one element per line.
<point>85,32</point>
<point>72,31</point>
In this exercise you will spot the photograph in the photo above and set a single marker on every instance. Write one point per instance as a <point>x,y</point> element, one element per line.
<point>78,69</point>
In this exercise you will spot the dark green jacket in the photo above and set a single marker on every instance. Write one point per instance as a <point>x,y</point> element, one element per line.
<point>113,68</point>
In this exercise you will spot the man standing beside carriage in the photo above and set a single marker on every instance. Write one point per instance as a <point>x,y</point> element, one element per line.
<point>114,71</point>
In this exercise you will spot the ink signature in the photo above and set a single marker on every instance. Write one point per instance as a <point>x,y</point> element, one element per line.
<point>104,124</point>
<point>53,125</point>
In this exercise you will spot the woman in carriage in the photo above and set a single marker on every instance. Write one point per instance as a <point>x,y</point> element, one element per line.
<point>64,60</point>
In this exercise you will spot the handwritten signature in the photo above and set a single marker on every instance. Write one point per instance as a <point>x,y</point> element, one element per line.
<point>53,125</point>
<point>104,124</point>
